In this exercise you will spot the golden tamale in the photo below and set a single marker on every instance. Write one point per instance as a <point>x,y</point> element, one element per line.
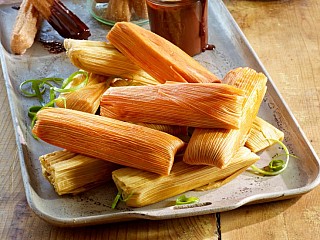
<point>221,182</point>
<point>72,173</point>
<point>108,139</point>
<point>261,135</point>
<point>157,56</point>
<point>87,98</point>
<point>104,59</point>
<point>208,105</point>
<point>217,146</point>
<point>120,82</point>
<point>142,188</point>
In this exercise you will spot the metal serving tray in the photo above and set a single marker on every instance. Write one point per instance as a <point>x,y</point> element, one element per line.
<point>93,207</point>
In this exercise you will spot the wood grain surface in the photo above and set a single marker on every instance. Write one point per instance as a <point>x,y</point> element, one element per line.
<point>286,36</point>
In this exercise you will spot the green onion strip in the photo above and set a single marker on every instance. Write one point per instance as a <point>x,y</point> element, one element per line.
<point>116,200</point>
<point>276,166</point>
<point>39,87</point>
<point>119,198</point>
<point>186,200</point>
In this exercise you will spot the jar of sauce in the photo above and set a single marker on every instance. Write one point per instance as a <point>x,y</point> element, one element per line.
<point>182,22</point>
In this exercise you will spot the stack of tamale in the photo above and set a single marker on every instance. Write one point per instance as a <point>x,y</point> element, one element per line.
<point>217,146</point>
<point>141,127</point>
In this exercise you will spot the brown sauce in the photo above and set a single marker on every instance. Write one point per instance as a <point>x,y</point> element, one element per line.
<point>184,23</point>
<point>54,47</point>
<point>66,23</point>
<point>16,7</point>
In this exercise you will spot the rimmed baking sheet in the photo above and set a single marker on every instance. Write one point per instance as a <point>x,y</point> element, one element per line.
<point>93,207</point>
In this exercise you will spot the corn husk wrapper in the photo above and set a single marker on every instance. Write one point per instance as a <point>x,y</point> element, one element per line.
<point>170,129</point>
<point>87,98</point>
<point>221,182</point>
<point>257,141</point>
<point>260,134</point>
<point>104,59</point>
<point>143,188</point>
<point>211,105</point>
<point>157,56</point>
<point>72,173</point>
<point>108,139</point>
<point>120,82</point>
<point>217,146</point>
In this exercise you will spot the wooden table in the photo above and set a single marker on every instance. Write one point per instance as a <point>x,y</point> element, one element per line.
<point>286,36</point>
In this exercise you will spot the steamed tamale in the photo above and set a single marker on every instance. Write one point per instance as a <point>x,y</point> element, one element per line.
<point>87,98</point>
<point>108,139</point>
<point>142,188</point>
<point>217,146</point>
<point>210,105</point>
<point>261,135</point>
<point>157,56</point>
<point>72,173</point>
<point>179,131</point>
<point>120,82</point>
<point>104,59</point>
<point>220,182</point>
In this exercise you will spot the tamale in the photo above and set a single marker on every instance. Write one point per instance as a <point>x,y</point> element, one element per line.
<point>120,82</point>
<point>87,98</point>
<point>108,139</point>
<point>104,59</point>
<point>179,131</point>
<point>261,134</point>
<point>220,182</point>
<point>208,105</point>
<point>217,146</point>
<point>142,188</point>
<point>157,56</point>
<point>72,173</point>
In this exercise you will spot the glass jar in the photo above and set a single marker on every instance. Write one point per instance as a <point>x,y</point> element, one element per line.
<point>182,22</point>
<point>111,11</point>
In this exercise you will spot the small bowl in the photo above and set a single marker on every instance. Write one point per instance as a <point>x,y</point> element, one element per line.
<point>111,11</point>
